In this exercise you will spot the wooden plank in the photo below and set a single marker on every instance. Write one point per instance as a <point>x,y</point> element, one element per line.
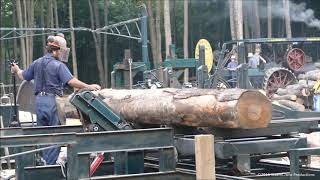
<point>205,162</point>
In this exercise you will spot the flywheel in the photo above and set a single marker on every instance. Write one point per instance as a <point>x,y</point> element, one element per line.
<point>276,78</point>
<point>296,59</point>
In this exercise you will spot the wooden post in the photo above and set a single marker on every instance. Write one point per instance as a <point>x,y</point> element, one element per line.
<point>205,162</point>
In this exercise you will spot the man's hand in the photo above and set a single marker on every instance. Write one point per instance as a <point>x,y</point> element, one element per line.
<point>94,87</point>
<point>15,68</point>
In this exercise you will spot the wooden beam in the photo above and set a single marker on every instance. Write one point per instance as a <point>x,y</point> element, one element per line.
<point>205,162</point>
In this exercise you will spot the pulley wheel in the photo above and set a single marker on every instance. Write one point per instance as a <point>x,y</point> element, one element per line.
<point>296,59</point>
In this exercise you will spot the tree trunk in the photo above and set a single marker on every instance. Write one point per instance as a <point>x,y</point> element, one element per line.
<point>185,37</point>
<point>43,37</point>
<point>269,14</point>
<point>15,43</point>
<point>73,48</point>
<point>105,44</point>
<point>246,24</point>
<point>287,18</point>
<point>50,13</point>
<point>167,26</point>
<point>22,40</point>
<point>229,108</point>
<point>158,37</point>
<point>158,30</point>
<point>257,31</point>
<point>31,23</point>
<point>231,15</point>
<point>56,13</point>
<point>97,45</point>
<point>26,20</point>
<point>153,37</point>
<point>238,19</point>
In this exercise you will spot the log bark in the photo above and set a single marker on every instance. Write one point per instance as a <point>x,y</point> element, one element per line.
<point>284,97</point>
<point>310,83</point>
<point>229,108</point>
<point>294,89</point>
<point>310,75</point>
<point>66,109</point>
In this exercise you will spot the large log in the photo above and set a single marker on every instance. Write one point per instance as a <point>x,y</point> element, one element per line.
<point>229,108</point>
<point>294,89</point>
<point>66,109</point>
<point>284,97</point>
<point>310,75</point>
<point>309,83</point>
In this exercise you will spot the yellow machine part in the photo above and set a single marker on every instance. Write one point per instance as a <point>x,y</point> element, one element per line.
<point>209,58</point>
<point>316,87</point>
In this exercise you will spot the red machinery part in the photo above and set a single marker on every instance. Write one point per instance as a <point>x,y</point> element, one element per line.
<point>96,163</point>
<point>277,77</point>
<point>296,59</point>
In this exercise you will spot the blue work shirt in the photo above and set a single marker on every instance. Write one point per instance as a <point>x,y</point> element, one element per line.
<point>232,65</point>
<point>56,75</point>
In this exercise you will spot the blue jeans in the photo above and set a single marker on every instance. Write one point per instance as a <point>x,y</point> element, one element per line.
<point>47,115</point>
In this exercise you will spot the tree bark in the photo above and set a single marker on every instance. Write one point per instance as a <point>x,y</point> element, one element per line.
<point>310,75</point>
<point>50,13</point>
<point>105,44</point>
<point>256,17</point>
<point>158,38</point>
<point>97,45</point>
<point>15,42</point>
<point>287,18</point>
<point>22,40</point>
<point>269,14</point>
<point>167,26</point>
<point>73,48</point>
<point>152,33</point>
<point>43,37</point>
<point>185,37</point>
<point>56,18</point>
<point>231,15</point>
<point>229,108</point>
<point>246,24</point>
<point>284,97</point>
<point>238,19</point>
<point>26,24</point>
<point>294,89</point>
<point>31,23</point>
<point>158,31</point>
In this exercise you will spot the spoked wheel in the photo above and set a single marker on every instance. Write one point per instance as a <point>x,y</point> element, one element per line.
<point>296,59</point>
<point>276,78</point>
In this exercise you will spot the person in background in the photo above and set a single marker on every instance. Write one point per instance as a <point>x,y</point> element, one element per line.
<point>50,75</point>
<point>232,67</point>
<point>254,60</point>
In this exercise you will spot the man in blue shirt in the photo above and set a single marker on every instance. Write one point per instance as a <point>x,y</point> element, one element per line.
<point>232,67</point>
<point>50,76</point>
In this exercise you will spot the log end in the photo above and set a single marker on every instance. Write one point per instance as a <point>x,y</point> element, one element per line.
<point>254,110</point>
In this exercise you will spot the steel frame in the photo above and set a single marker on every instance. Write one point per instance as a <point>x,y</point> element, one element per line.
<point>80,145</point>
